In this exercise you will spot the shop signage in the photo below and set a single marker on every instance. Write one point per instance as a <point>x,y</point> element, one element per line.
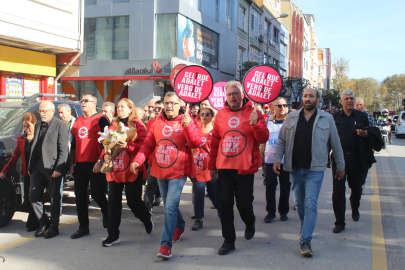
<point>193,84</point>
<point>262,84</point>
<point>140,71</point>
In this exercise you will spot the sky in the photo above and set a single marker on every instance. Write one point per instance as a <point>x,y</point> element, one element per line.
<point>370,34</point>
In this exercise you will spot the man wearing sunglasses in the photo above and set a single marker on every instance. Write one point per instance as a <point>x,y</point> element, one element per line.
<point>274,124</point>
<point>86,162</point>
<point>304,142</point>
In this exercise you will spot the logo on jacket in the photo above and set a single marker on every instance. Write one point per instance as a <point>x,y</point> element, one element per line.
<point>204,140</point>
<point>233,122</point>
<point>167,131</point>
<point>83,132</point>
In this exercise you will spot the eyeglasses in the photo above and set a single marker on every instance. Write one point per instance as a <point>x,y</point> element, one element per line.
<point>234,94</point>
<point>43,111</point>
<point>282,105</point>
<point>206,114</point>
<point>171,103</point>
<point>85,100</point>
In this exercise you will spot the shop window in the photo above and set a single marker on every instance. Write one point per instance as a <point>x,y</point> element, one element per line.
<point>107,38</point>
<point>165,38</point>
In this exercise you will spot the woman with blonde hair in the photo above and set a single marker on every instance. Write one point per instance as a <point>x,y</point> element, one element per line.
<point>121,174</point>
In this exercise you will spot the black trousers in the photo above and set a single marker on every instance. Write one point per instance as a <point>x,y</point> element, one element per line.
<point>271,185</point>
<point>83,174</point>
<point>32,221</point>
<point>355,179</point>
<point>133,191</point>
<point>230,187</point>
<point>150,189</point>
<point>41,178</point>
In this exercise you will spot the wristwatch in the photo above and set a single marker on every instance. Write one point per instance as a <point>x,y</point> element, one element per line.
<point>100,161</point>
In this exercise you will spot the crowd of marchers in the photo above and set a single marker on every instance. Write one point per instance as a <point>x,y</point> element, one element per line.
<point>219,151</point>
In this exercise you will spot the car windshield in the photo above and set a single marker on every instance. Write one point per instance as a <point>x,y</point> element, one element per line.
<point>9,120</point>
<point>403,116</point>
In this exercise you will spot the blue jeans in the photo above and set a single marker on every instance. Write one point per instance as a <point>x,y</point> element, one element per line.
<point>171,191</point>
<point>199,196</point>
<point>306,186</point>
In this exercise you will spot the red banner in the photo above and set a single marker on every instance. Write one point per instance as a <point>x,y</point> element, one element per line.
<point>262,84</point>
<point>193,84</point>
<point>217,98</point>
<point>174,72</point>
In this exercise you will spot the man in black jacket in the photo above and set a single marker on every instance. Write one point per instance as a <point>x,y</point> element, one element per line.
<point>46,167</point>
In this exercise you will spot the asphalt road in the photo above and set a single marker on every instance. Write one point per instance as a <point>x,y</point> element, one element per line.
<point>377,241</point>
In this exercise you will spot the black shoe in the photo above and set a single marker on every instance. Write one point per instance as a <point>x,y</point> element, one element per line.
<point>105,221</point>
<point>197,225</point>
<point>52,232</point>
<point>269,218</point>
<point>338,228</point>
<point>149,225</point>
<point>108,242</point>
<point>283,217</point>
<point>226,248</point>
<point>80,233</point>
<point>356,216</point>
<point>306,249</point>
<point>42,230</point>
<point>157,201</point>
<point>250,231</point>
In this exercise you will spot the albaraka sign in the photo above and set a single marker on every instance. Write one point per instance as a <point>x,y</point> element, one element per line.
<point>133,70</point>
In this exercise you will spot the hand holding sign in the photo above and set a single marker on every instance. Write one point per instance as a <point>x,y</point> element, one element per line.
<point>253,117</point>
<point>186,118</point>
<point>262,84</point>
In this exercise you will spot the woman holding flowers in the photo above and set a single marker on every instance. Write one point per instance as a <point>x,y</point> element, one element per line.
<point>121,175</point>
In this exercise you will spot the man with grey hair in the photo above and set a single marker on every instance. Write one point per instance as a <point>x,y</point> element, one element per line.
<point>360,106</point>
<point>350,125</point>
<point>108,109</point>
<point>150,112</point>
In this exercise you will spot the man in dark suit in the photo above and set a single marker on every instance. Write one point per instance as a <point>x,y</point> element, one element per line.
<point>49,153</point>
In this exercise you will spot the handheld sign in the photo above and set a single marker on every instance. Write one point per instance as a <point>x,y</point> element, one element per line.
<point>193,84</point>
<point>262,84</point>
<point>174,72</point>
<point>217,98</point>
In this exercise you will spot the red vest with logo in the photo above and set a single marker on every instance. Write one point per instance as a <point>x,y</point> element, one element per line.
<point>170,150</point>
<point>235,147</point>
<point>201,156</point>
<point>85,131</point>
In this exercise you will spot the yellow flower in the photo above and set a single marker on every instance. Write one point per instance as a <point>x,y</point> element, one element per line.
<point>105,142</point>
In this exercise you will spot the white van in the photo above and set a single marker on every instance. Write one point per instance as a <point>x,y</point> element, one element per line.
<point>400,125</point>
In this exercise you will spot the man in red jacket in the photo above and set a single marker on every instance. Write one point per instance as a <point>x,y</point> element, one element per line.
<point>171,138</point>
<point>238,130</point>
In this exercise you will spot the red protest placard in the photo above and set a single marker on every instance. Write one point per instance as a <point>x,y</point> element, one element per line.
<point>262,84</point>
<point>174,72</point>
<point>217,98</point>
<point>193,84</point>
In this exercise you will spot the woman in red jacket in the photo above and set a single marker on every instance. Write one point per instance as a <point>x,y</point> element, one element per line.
<point>201,156</point>
<point>122,176</point>
<point>23,149</point>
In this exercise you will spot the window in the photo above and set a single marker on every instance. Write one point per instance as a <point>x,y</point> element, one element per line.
<point>107,38</point>
<point>242,18</point>
<point>255,24</point>
<point>90,2</point>
<point>276,63</point>
<point>254,54</point>
<point>121,1</point>
<point>165,38</point>
<point>241,55</point>
<point>307,65</point>
<point>283,49</point>
<point>275,35</point>
<point>217,10</point>
<point>320,71</point>
<point>228,14</point>
<point>267,26</point>
<point>196,4</point>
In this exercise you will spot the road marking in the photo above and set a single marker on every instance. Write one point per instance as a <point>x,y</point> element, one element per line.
<point>30,237</point>
<point>379,254</point>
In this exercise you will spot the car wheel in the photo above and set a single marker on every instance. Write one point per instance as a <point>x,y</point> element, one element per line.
<point>8,201</point>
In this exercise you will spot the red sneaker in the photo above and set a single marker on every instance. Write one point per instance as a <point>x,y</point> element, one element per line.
<point>165,252</point>
<point>178,234</point>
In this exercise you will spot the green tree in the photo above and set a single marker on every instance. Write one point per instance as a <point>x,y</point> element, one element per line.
<point>340,80</point>
<point>370,90</point>
<point>395,90</point>
<point>332,98</point>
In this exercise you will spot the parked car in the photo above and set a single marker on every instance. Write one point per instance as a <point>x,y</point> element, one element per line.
<point>400,125</point>
<point>12,185</point>
<point>394,120</point>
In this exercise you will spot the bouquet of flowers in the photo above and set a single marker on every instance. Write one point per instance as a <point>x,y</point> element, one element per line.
<point>109,139</point>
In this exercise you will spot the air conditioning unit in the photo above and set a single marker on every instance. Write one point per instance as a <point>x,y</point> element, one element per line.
<point>240,67</point>
<point>260,38</point>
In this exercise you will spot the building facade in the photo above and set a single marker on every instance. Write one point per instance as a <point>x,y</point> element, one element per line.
<point>132,47</point>
<point>313,51</point>
<point>31,43</point>
<point>326,70</point>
